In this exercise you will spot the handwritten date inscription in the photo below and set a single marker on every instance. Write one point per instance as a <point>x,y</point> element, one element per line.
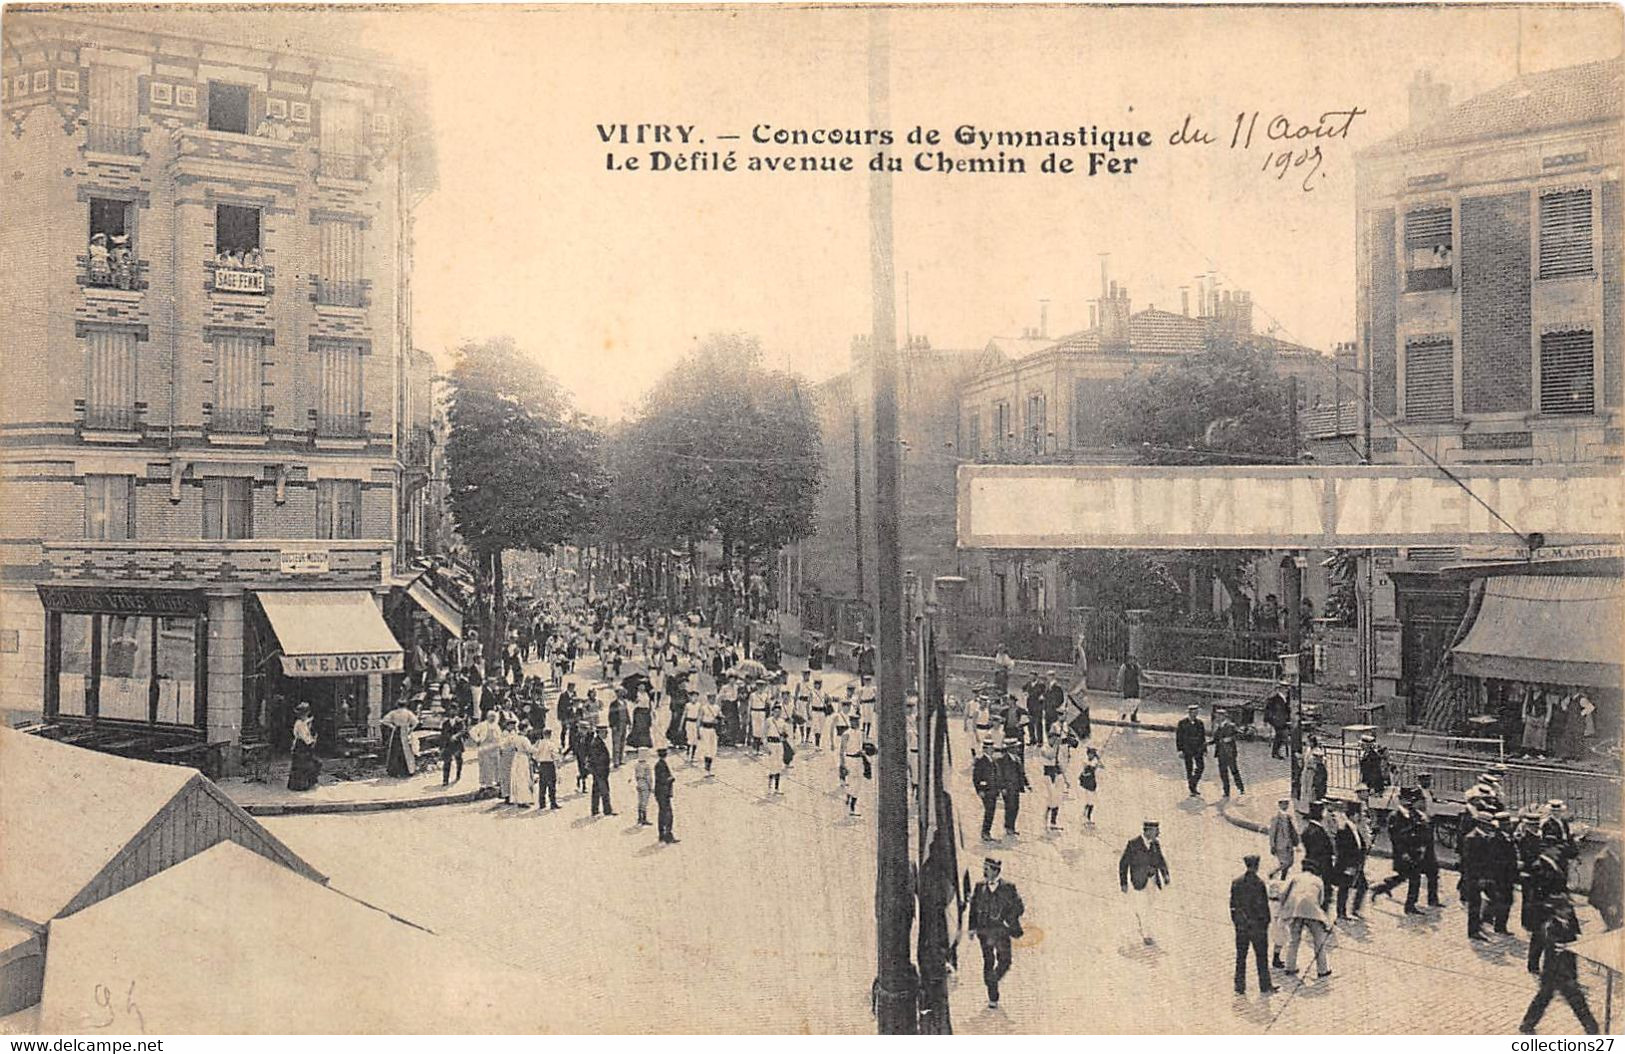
<point>1292,147</point>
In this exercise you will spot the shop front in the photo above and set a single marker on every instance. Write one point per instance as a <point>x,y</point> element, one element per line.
<point>128,662</point>
<point>328,648</point>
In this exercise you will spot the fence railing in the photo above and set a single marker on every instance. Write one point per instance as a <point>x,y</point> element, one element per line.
<point>340,426</point>
<point>110,418</point>
<point>112,139</point>
<point>232,421</point>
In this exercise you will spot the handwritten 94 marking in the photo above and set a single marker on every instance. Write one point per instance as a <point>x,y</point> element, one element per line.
<point>108,1002</point>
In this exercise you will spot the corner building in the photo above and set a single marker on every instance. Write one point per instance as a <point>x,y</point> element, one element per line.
<point>208,441</point>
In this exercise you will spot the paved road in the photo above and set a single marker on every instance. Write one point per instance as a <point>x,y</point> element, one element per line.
<point>761,919</point>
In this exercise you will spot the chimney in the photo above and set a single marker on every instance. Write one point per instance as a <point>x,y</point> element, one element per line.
<point>1103,276</point>
<point>1113,292</point>
<point>1185,300</point>
<point>1429,101</point>
<point>1043,319</point>
<point>1093,318</point>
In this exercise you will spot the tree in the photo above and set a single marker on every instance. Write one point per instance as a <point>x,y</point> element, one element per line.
<point>722,446</point>
<point>1228,405</point>
<point>523,465</point>
<point>1119,580</point>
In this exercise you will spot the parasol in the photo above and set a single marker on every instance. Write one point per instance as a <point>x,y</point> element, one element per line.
<point>750,668</point>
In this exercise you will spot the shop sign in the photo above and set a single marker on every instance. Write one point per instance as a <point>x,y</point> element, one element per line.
<point>344,665</point>
<point>305,562</point>
<point>115,601</point>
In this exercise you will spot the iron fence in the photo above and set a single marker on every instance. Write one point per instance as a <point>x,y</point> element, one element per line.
<point>110,418</point>
<point>237,421</point>
<point>112,139</point>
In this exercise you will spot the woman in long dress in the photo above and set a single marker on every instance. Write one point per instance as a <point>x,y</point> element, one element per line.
<point>306,767</point>
<point>520,778</point>
<point>485,736</point>
<point>1537,714</point>
<point>401,754</point>
<point>641,721</point>
<point>507,750</point>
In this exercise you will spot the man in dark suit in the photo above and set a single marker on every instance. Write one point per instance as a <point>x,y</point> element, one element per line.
<point>1190,740</point>
<point>1054,701</point>
<point>984,776</point>
<point>1224,752</point>
<point>663,785</point>
<point>1476,882</point>
<point>1319,851</point>
<point>598,768</point>
<point>1036,690</point>
<point>1012,781</point>
<point>1250,914</point>
<point>995,918</point>
<point>1143,869</point>
<point>1352,844</point>
<point>1406,828</point>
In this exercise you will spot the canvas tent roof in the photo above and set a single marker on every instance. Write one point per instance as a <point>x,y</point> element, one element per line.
<point>67,814</point>
<point>1551,628</point>
<point>228,942</point>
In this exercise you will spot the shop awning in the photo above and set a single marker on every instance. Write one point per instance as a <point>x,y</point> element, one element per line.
<point>1550,629</point>
<point>444,611</point>
<point>331,634</point>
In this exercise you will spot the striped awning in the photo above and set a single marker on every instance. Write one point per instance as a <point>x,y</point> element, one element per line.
<point>1549,629</point>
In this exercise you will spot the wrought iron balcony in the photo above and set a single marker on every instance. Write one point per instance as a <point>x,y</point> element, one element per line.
<point>340,293</point>
<point>341,426</point>
<point>235,421</point>
<point>112,139</point>
<point>419,445</point>
<point>110,418</point>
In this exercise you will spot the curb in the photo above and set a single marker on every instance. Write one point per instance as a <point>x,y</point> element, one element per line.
<point>333,807</point>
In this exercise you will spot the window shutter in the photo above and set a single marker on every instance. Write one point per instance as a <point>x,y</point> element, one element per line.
<point>110,370</point>
<point>324,509</point>
<point>1565,233</point>
<point>114,98</point>
<point>1425,228</point>
<point>1566,377</point>
<point>213,508</point>
<point>1430,382</point>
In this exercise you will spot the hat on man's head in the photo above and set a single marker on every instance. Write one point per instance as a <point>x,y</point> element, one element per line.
<point>1368,738</point>
<point>1557,803</point>
<point>1193,707</point>
<point>302,708</point>
<point>994,862</point>
<point>1151,823</point>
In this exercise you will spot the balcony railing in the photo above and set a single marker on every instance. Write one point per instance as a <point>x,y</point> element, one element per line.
<point>233,421</point>
<point>339,293</point>
<point>419,444</point>
<point>115,269</point>
<point>341,426</point>
<point>112,139</point>
<point>343,166</point>
<point>110,418</point>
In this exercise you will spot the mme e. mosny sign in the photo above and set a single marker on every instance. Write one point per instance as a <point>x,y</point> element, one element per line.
<point>1283,507</point>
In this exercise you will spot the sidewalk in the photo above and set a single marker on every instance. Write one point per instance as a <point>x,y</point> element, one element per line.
<point>336,795</point>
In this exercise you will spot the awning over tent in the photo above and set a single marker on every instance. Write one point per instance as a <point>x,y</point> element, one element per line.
<point>331,634</point>
<point>444,611</point>
<point>228,942</point>
<point>1551,629</point>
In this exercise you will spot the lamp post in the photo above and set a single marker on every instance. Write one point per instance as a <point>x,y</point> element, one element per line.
<point>937,880</point>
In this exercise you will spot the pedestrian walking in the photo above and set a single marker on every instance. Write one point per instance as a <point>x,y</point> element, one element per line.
<point>1250,915</point>
<point>985,779</point>
<point>664,782</point>
<point>851,762</point>
<point>1319,848</point>
<point>1225,749</point>
<point>1089,782</point>
<point>867,694</point>
<point>305,768</point>
<point>1406,828</point>
<point>1476,883</point>
<point>597,764</point>
<point>1278,716</point>
<point>1143,869</point>
<point>1559,974</point>
<point>522,780</point>
<point>1012,782</point>
<point>776,734</point>
<point>691,728</point>
<point>710,717</point>
<point>1352,844</point>
<point>1054,796</point>
<point>487,739</point>
<point>545,756</point>
<point>643,781</point>
<point>1301,906</point>
<point>618,726</point>
<point>1128,686</point>
<point>1284,837</point>
<point>507,747</point>
<point>995,919</point>
<point>1190,741</point>
<point>452,733</point>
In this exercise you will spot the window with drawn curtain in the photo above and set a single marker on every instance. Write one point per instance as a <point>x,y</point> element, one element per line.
<point>238,384</point>
<point>338,407</point>
<point>338,508</point>
<point>338,273</point>
<point>110,379</point>
<point>341,140</point>
<point>114,107</point>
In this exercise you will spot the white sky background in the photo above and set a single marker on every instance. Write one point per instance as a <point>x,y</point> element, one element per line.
<point>606,278</point>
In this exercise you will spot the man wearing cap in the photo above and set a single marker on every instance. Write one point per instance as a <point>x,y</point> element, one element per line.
<point>1143,867</point>
<point>1278,716</point>
<point>1429,847</point>
<point>663,786</point>
<point>1012,781</point>
<point>995,918</point>
<point>1476,881</point>
<point>1190,740</point>
<point>1035,689</point>
<point>1284,837</point>
<point>1353,844</point>
<point>1555,830</point>
<point>1547,883</point>
<point>1559,974</point>
<point>1250,914</point>
<point>1319,848</point>
<point>597,754</point>
<point>1224,752</point>
<point>1405,829</point>
<point>985,778</point>
<point>1373,765</point>
<point>643,780</point>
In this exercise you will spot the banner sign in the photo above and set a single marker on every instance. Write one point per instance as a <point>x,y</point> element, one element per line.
<point>305,561</point>
<point>345,665</point>
<point>1284,506</point>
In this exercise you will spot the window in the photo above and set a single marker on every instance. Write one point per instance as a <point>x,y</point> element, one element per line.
<point>1566,378</point>
<point>1565,234</point>
<point>1002,432</point>
<point>1429,249</point>
<point>338,508</point>
<point>1430,381</point>
<point>973,436</point>
<point>338,409</point>
<point>110,379</point>
<point>111,254</point>
<point>126,661</point>
<point>341,140</point>
<point>228,507</point>
<point>114,127</point>
<point>229,106</point>
<point>339,264</point>
<point>1036,427</point>
<point>126,667</point>
<point>237,232</point>
<point>73,668</point>
<point>109,508</point>
<point>176,669</point>
<point>238,368</point>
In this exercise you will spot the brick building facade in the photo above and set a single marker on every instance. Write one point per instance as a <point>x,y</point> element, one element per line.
<point>211,389</point>
<point>1489,252</point>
